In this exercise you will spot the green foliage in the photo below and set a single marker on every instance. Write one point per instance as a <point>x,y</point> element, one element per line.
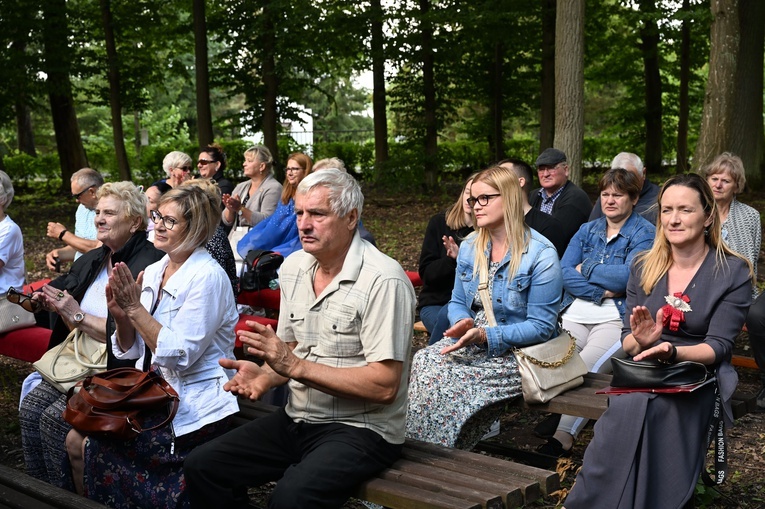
<point>23,167</point>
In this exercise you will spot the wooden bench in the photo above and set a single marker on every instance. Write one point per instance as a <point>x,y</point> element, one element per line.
<point>431,476</point>
<point>18,490</point>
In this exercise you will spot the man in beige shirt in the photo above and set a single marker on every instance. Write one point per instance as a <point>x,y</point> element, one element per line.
<point>342,345</point>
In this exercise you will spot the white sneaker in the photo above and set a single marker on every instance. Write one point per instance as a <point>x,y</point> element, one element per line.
<point>493,431</point>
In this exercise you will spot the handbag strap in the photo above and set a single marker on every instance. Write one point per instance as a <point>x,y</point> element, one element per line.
<point>80,336</point>
<point>555,364</point>
<point>483,292</point>
<point>716,435</point>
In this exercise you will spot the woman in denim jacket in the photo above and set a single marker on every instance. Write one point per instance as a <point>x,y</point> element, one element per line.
<point>457,385</point>
<point>596,267</point>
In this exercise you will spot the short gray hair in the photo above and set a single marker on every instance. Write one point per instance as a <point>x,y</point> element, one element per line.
<point>133,200</point>
<point>330,162</point>
<point>344,192</point>
<point>727,162</point>
<point>628,160</point>
<point>88,177</point>
<point>175,159</point>
<point>6,190</point>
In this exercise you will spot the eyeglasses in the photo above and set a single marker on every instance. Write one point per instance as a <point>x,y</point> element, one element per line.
<point>23,300</point>
<point>548,169</point>
<point>482,200</point>
<point>289,169</point>
<point>204,162</point>
<point>168,222</point>
<point>77,196</point>
<point>184,169</point>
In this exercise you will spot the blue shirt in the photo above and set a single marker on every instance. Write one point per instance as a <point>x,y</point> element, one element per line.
<point>525,307</point>
<point>605,264</point>
<point>84,225</point>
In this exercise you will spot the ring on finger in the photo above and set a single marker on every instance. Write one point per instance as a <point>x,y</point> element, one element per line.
<point>59,295</point>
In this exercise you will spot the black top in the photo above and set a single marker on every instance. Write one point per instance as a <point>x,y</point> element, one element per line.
<point>548,226</point>
<point>226,187</point>
<point>437,270</point>
<point>572,208</point>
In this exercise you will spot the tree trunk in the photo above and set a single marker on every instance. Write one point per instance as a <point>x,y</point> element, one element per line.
<point>569,84</point>
<point>497,134</point>
<point>115,102</point>
<point>24,130</point>
<point>649,35</point>
<point>205,134</point>
<point>379,101</point>
<point>271,82</point>
<point>57,64</point>
<point>429,92</point>
<point>547,107</point>
<point>683,104</point>
<point>747,125</point>
<point>715,132</point>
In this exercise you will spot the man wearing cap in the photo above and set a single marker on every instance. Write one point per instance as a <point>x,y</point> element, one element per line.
<point>646,205</point>
<point>559,197</point>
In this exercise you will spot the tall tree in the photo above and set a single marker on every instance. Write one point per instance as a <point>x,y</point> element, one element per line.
<point>379,101</point>
<point>747,123</point>
<point>24,132</point>
<point>716,121</point>
<point>429,89</point>
<point>547,102</point>
<point>649,46</point>
<point>115,98</point>
<point>569,84</point>
<point>204,114</point>
<point>683,103</point>
<point>58,59</point>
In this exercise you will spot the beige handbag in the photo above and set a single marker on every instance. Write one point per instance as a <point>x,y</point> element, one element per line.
<point>77,357</point>
<point>547,369</point>
<point>13,316</point>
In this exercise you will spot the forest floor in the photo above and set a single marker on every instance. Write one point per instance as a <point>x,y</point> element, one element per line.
<point>398,223</point>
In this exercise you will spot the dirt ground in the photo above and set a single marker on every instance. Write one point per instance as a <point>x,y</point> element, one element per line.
<point>398,225</point>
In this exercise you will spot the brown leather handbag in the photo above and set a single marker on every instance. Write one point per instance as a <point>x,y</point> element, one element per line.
<point>118,403</point>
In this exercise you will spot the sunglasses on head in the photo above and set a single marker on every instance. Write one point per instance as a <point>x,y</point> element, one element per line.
<point>23,300</point>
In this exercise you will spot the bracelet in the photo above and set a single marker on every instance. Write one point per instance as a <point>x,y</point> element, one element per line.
<point>671,358</point>
<point>61,235</point>
<point>482,335</point>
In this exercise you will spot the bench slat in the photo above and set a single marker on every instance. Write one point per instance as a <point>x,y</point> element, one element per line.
<point>17,487</point>
<point>400,496</point>
<point>487,500</point>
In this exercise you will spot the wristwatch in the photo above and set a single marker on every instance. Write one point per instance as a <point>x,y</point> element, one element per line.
<point>78,317</point>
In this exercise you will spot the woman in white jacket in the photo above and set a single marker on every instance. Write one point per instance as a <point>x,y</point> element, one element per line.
<point>180,315</point>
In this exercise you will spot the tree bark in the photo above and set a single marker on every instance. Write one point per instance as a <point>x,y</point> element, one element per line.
<point>547,107</point>
<point>58,57</point>
<point>429,92</point>
<point>379,100</point>
<point>24,132</point>
<point>115,101</point>
<point>649,46</point>
<point>271,82</point>
<point>683,104</point>
<point>747,125</point>
<point>715,132</point>
<point>569,84</point>
<point>497,134</point>
<point>205,134</point>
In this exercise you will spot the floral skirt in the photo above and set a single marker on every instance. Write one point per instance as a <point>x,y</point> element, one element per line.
<point>454,398</point>
<point>143,472</point>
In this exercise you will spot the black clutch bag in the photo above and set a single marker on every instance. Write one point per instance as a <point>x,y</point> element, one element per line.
<point>653,374</point>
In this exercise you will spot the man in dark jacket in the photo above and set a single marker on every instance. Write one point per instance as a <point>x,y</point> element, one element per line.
<point>649,193</point>
<point>558,196</point>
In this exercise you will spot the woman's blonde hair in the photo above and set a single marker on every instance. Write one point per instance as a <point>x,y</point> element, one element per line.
<point>518,234</point>
<point>657,260</point>
<point>198,203</point>
<point>455,215</point>
<point>305,162</point>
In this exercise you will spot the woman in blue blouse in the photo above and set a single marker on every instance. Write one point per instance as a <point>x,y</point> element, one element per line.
<point>457,385</point>
<point>596,267</point>
<point>279,231</point>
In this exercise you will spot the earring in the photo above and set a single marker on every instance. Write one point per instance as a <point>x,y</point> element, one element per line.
<point>706,231</point>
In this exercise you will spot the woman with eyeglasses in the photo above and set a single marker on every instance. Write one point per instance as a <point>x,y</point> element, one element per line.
<point>179,317</point>
<point>211,165</point>
<point>458,385</point>
<point>79,300</point>
<point>12,268</point>
<point>279,231</point>
<point>177,165</point>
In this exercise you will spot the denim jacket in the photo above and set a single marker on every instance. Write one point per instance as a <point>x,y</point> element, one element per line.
<point>605,265</point>
<point>526,308</point>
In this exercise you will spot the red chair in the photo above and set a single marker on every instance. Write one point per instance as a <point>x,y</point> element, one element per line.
<point>260,319</point>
